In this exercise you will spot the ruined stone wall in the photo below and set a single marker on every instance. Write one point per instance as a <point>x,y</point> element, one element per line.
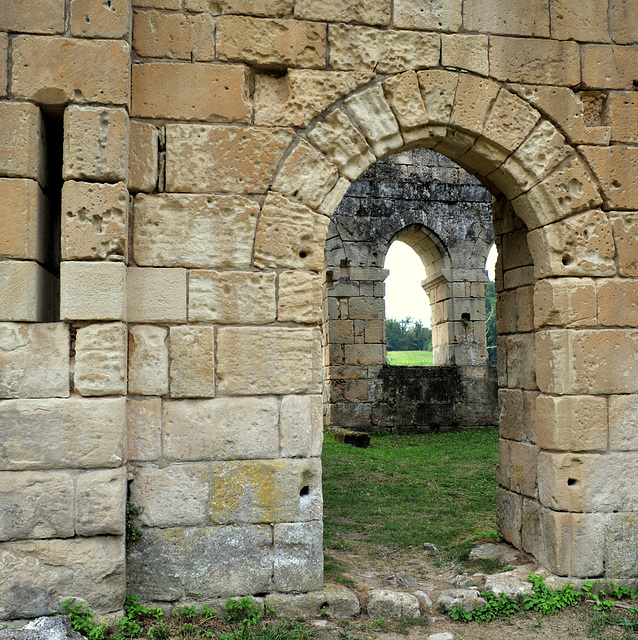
<point>188,338</point>
<point>425,200</point>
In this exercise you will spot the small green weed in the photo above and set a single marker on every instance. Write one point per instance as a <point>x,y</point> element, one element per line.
<point>133,533</point>
<point>189,630</point>
<point>496,607</point>
<point>206,612</point>
<point>82,620</point>
<point>161,631</point>
<point>186,612</point>
<point>546,600</point>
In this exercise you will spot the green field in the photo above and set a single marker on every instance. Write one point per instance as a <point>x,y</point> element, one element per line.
<point>410,358</point>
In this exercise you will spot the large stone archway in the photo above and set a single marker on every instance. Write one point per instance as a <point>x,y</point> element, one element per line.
<point>184,356</point>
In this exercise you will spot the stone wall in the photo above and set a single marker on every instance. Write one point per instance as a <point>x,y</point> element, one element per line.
<point>426,201</point>
<point>199,150</point>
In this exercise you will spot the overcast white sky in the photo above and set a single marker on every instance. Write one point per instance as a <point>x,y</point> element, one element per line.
<point>404,296</point>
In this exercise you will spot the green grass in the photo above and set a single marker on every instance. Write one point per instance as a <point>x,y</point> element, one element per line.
<point>410,358</point>
<point>406,490</point>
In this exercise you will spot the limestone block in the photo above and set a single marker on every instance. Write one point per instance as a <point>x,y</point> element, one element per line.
<point>100,360</point>
<point>21,140</point>
<point>625,228</point>
<point>340,602</point>
<point>174,35</point>
<point>271,43</point>
<point>572,544</point>
<point>609,67</point>
<point>510,423</point>
<point>615,167</point>
<point>94,221</point>
<point>274,8</point>
<point>582,245</point>
<point>74,433</point>
<point>204,91</point>
<point>212,159</point>
<point>148,360</point>
<point>156,295</point>
<point>52,571</point>
<point>530,526</point>
<point>518,466</point>
<point>23,220</point>
<point>474,97</point>
<point>232,297</point>
<point>332,200</point>
<point>100,503</point>
<point>342,143</point>
<point>404,96</point>
<point>268,360</point>
<point>510,121</point>
<point>618,303</point>
<point>374,116</point>
<point>221,429</point>
<point>306,175</point>
<point>565,302</point>
<point>175,496</point>
<point>301,426</point>
<point>468,52</point>
<point>192,355</point>
<point>60,70</point>
<point>353,48</point>
<point>301,94</point>
<point>623,423</point>
<point>178,230</point>
<point>365,308</point>
<point>568,190</point>
<point>365,354</point>
<point>95,19</point>
<point>299,297</point>
<point>483,157</point>
<point>517,17</point>
<point>144,429</point>
<point>201,562</point>
<point>620,543</point>
<point>92,290</point>
<point>289,234</point>
<point>4,53</point>
<point>49,18</point>
<point>95,144</point>
<point>36,505</point>
<point>542,152</point>
<point>24,291</point>
<point>520,361</point>
<point>571,423</point>
<point>143,156</point>
<point>509,515</point>
<point>623,21</point>
<point>261,491</point>
<point>160,4</point>
<point>620,114</point>
<point>573,20</point>
<point>539,61</point>
<point>365,12</point>
<point>387,604</point>
<point>298,552</point>
<point>440,15</point>
<point>438,90</point>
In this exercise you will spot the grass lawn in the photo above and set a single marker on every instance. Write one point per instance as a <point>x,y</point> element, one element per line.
<point>410,358</point>
<point>406,490</point>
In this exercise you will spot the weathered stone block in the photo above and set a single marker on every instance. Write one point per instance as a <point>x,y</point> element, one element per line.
<point>94,19</point>
<point>192,355</point>
<point>49,18</point>
<point>301,426</point>
<point>148,360</point>
<point>440,15</point>
<point>520,17</point>
<point>212,159</point>
<point>364,354</point>
<point>620,540</point>
<point>366,12</point>
<point>623,21</point>
<point>466,52</point>
<point>573,20</point>
<point>24,291</point>
<point>232,297</point>
<point>201,562</point>
<point>34,360</point>
<point>520,361</point>
<point>625,228</point>
<point>623,423</point>
<point>100,360</point>
<point>332,200</point>
<point>518,467</point>
<point>156,295</point>
<point>509,515</point>
<point>276,8</point>
<point>357,48</point>
<point>616,168</point>
<point>60,70</point>
<point>609,66</point>
<point>143,156</point>
<point>221,429</point>
<point>143,429</point>
<point>571,423</point>
<point>162,4</point>
<point>298,550</point>
<point>474,97</point>
<point>289,234</point>
<point>95,143</point>
<point>172,230</point>
<point>48,572</point>
<point>94,221</point>
<point>268,360</point>
<point>21,139</point>
<point>36,505</point>
<point>342,143</point>
<point>100,503</point>
<point>392,604</point>
<point>565,302</point>
<point>618,303</point>
<point>271,43</point>
<point>74,433</point>
<point>438,90</point>
<point>299,297</point>
<point>510,423</point>
<point>206,92</point>
<point>92,290</point>
<point>4,53</point>
<point>340,602</point>
<point>22,218</point>
<point>534,61</point>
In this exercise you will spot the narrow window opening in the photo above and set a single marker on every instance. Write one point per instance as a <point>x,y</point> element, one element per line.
<point>491,333</point>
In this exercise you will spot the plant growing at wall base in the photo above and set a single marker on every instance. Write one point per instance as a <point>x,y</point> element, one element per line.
<point>133,533</point>
<point>82,620</point>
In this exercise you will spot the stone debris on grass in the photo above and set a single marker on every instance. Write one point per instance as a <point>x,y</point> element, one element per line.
<point>392,604</point>
<point>508,584</point>
<point>45,628</point>
<point>490,551</point>
<point>446,635</point>
<point>467,599</point>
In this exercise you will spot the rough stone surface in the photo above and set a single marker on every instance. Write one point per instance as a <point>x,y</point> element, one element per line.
<point>100,503</point>
<point>366,12</point>
<point>510,585</point>
<point>609,67</point>
<point>34,360</point>
<point>276,8</point>
<point>156,295</point>
<point>440,15</point>
<point>615,168</point>
<point>299,298</point>
<point>143,156</point>
<point>392,604</point>
<point>301,426</point>
<point>192,356</point>
<point>90,19</point>
<point>466,52</point>
<point>148,360</point>
<point>17,17</point>
<point>340,603</point>
<point>467,599</point>
<point>298,564</point>
<point>25,291</point>
<point>143,428</point>
<point>623,423</point>
<point>44,628</point>
<point>21,139</point>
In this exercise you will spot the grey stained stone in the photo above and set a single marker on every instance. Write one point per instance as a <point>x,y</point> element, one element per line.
<point>467,599</point>
<point>392,604</point>
<point>340,603</point>
<point>445,635</point>
<point>508,584</point>
<point>44,628</point>
<point>489,551</point>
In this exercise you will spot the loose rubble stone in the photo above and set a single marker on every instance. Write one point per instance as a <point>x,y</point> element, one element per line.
<point>466,599</point>
<point>509,585</point>
<point>340,603</point>
<point>494,552</point>
<point>392,604</point>
<point>45,628</point>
